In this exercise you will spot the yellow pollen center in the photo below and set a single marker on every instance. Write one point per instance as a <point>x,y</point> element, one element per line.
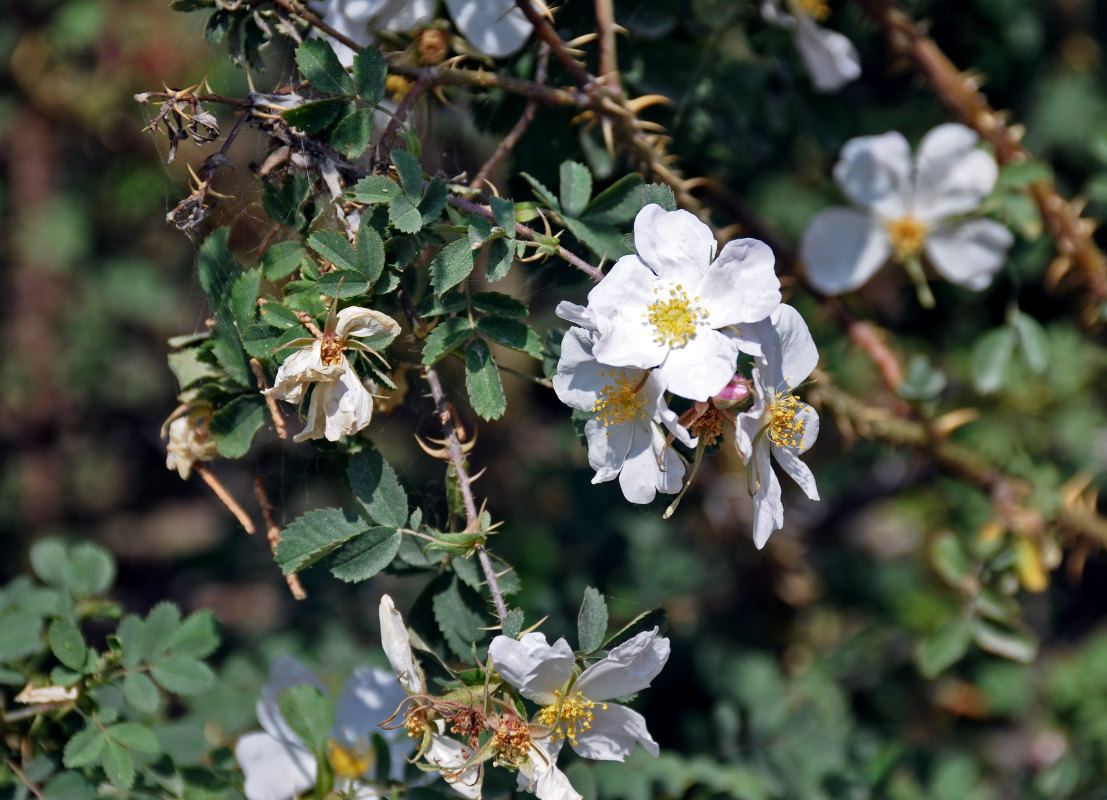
<point>908,236</point>
<point>348,762</point>
<point>511,742</point>
<point>569,716</point>
<point>415,723</point>
<point>675,320</point>
<point>818,10</point>
<point>330,352</point>
<point>618,401</point>
<point>785,425</point>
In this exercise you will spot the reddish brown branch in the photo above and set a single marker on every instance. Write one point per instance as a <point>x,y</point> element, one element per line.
<point>273,533</point>
<point>270,401</point>
<point>225,497</point>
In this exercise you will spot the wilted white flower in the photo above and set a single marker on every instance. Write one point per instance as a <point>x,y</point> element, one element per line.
<point>830,58</point>
<point>906,209</point>
<point>664,307</point>
<point>624,439</point>
<point>340,404</point>
<point>778,422</point>
<point>577,710</point>
<point>496,28</point>
<point>278,765</point>
<point>189,441</point>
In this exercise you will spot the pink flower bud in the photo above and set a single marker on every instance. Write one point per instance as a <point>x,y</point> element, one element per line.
<point>734,393</point>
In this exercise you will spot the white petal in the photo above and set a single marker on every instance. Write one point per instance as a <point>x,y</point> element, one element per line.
<point>274,770</point>
<point>969,253</point>
<point>450,757</point>
<point>741,284</point>
<point>772,14</point>
<point>842,248</point>
<point>553,784</point>
<point>614,732</point>
<point>830,58</point>
<point>952,175</point>
<point>536,669</point>
<point>539,773</point>
<point>798,354</point>
<point>397,648</point>
<point>342,408</point>
<point>494,27</point>
<point>875,172</point>
<point>623,336</point>
<point>304,366</point>
<point>788,457</point>
<point>702,367</point>
<point>768,511</point>
<point>362,322</point>
<point>401,16</point>
<point>674,244</point>
<point>641,476</point>
<point>627,669</point>
<point>284,673</point>
<point>369,697</point>
<point>576,314</point>
<point>608,446</point>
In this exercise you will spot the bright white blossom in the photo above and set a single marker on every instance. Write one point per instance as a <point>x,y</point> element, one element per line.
<point>340,404</point>
<point>278,764</point>
<point>830,58</point>
<point>624,439</point>
<point>778,422</point>
<point>906,209</point>
<point>663,308</point>
<point>577,710</point>
<point>496,28</point>
<point>189,442</point>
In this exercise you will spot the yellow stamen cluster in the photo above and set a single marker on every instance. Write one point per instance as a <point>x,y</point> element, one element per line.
<point>397,87</point>
<point>569,716</point>
<point>618,401</point>
<point>349,762</point>
<point>511,741</point>
<point>908,236</point>
<point>785,425</point>
<point>415,722</point>
<point>818,10</point>
<point>675,319</point>
<point>330,352</point>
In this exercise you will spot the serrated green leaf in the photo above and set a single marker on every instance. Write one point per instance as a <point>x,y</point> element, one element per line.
<point>591,621</point>
<point>315,534</point>
<point>945,647</point>
<point>617,204</point>
<point>465,568</point>
<point>67,643</point>
<point>280,316</point>
<point>158,629</point>
<point>215,29</point>
<point>343,283</point>
<point>243,298</point>
<point>503,211</point>
<point>370,71</point>
<point>134,736</point>
<point>20,635</point>
<point>234,426</point>
<point>263,341</point>
<point>352,134</point>
<point>411,174</point>
<point>511,333</point>
<point>482,381</point>
<point>188,367</point>
<point>434,200</point>
<point>310,715</point>
<point>376,189</point>
<point>119,766</point>
<point>335,248</point>
<point>361,558</point>
<point>50,561</point>
<point>314,117</point>
<point>129,633</point>
<point>374,484</point>
<point>69,786</point>
<point>446,336</point>
<point>604,241</point>
<point>369,251</point>
<point>499,304</point>
<point>576,187</point>
<point>661,194</point>
<point>452,265</point>
<point>434,305</point>
<point>499,259</point>
<point>141,693</point>
<point>61,676</point>
<point>544,194</point>
<point>950,559</point>
<point>181,675</point>
<point>1033,343</point>
<point>405,215</point>
<point>281,260</point>
<point>92,569</point>
<point>85,747</point>
<point>990,358</point>
<point>459,613</point>
<point>197,636</point>
<point>513,623</point>
<point>320,66</point>
<point>282,202</point>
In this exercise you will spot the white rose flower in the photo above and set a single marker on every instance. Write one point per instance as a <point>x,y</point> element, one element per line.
<point>777,422</point>
<point>829,57</point>
<point>278,764</point>
<point>576,710</point>
<point>624,439</point>
<point>340,404</point>
<point>189,442</point>
<point>906,209</point>
<point>664,307</point>
<point>496,28</point>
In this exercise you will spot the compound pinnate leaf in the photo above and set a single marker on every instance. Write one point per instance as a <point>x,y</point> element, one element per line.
<point>85,747</point>
<point>141,693</point>
<point>482,381</point>
<point>370,71</point>
<point>576,187</point>
<point>446,336</point>
<point>67,643</point>
<point>376,487</point>
<point>591,621</point>
<point>134,737</point>
<point>334,247</point>
<point>319,64</point>
<point>181,675</point>
<point>452,265</point>
<point>119,766</point>
<point>313,535</point>
<point>361,558</point>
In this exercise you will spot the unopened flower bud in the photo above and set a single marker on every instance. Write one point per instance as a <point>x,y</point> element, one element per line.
<point>733,394</point>
<point>433,46</point>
